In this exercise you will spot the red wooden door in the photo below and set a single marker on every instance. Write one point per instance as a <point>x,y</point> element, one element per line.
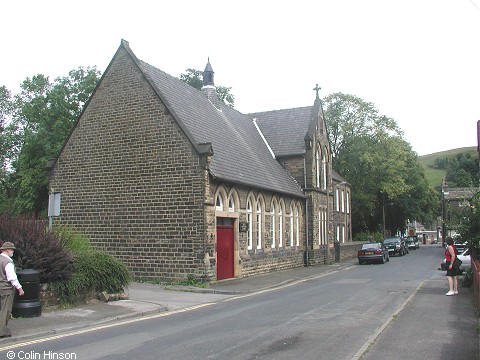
<point>224,252</point>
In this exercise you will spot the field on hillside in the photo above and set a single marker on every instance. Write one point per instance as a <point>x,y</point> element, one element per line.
<point>435,176</point>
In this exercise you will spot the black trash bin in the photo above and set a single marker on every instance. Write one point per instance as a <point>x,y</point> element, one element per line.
<point>28,305</point>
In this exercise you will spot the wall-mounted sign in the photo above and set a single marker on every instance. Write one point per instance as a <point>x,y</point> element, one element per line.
<point>243,226</point>
<point>54,204</point>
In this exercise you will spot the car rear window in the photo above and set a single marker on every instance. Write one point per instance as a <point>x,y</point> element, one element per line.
<point>370,246</point>
<point>387,241</point>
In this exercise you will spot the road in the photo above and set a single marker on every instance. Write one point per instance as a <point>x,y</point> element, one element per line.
<point>330,317</point>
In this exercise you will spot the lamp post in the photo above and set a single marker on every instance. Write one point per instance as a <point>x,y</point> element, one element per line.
<point>383,213</point>
<point>444,216</point>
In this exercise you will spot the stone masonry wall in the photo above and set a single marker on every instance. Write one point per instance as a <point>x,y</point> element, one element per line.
<point>131,181</point>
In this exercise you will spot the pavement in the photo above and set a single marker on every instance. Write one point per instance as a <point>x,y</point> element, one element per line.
<point>458,316</point>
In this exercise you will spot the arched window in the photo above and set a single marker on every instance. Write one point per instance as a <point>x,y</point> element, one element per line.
<point>297,226</point>
<point>343,201</point>
<point>231,204</point>
<point>317,169</point>
<point>219,202</point>
<point>259,224</point>
<point>272,225</point>
<point>320,227</point>
<point>291,226</point>
<point>280,226</point>
<point>324,172</point>
<point>249,221</point>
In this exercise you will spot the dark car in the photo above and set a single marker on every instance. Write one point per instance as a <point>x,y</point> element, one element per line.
<point>374,252</point>
<point>395,246</point>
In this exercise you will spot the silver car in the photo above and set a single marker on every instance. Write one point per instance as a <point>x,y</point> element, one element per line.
<point>466,261</point>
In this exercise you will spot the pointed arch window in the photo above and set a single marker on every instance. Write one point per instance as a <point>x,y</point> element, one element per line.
<point>219,202</point>
<point>272,225</point>
<point>324,172</point>
<point>292,235</point>
<point>297,226</point>
<point>249,221</point>
<point>280,226</point>
<point>231,204</point>
<point>317,169</point>
<point>259,224</point>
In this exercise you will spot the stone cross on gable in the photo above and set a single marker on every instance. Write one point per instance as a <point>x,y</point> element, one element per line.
<point>316,88</point>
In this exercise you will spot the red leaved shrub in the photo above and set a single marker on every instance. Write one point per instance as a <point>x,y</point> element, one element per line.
<point>36,248</point>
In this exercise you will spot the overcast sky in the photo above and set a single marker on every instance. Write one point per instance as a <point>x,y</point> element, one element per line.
<point>418,61</point>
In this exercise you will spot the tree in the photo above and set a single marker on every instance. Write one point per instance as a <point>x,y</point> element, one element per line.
<point>194,78</point>
<point>370,153</point>
<point>44,113</point>
<point>469,227</point>
<point>349,117</point>
<point>462,171</point>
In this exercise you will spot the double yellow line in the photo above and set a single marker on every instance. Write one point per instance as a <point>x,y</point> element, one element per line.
<point>100,327</point>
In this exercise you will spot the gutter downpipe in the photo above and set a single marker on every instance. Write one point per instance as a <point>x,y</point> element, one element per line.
<point>306,207</point>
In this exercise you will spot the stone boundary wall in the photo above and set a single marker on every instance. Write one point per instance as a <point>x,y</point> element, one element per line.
<point>265,262</point>
<point>49,299</point>
<point>349,250</point>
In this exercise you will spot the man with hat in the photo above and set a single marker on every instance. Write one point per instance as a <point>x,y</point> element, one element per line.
<point>8,284</point>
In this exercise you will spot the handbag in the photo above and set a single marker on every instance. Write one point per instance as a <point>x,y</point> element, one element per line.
<point>456,263</point>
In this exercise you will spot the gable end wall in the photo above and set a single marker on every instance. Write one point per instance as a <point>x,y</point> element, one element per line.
<point>131,181</point>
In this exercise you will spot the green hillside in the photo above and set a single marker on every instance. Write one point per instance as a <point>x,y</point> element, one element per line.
<point>434,175</point>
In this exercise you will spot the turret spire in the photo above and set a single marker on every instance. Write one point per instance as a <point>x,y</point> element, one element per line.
<point>208,75</point>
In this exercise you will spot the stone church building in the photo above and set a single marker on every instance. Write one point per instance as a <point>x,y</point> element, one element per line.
<point>174,183</point>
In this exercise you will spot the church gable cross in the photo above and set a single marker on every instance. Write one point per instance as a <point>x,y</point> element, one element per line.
<point>317,88</point>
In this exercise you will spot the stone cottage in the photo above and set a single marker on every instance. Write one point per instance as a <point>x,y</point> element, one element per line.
<point>174,183</point>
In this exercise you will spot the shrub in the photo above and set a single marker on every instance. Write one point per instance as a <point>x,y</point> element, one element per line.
<point>368,237</point>
<point>94,270</point>
<point>37,248</point>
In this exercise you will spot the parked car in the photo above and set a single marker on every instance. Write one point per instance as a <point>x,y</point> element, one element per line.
<point>461,245</point>
<point>417,242</point>
<point>412,242</point>
<point>466,261</point>
<point>373,252</point>
<point>395,246</point>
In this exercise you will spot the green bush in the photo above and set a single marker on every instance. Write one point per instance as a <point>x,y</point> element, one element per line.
<point>368,237</point>
<point>94,270</point>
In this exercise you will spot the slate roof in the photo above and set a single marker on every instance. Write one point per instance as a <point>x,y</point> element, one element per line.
<point>285,129</point>
<point>240,154</point>
<point>459,194</point>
